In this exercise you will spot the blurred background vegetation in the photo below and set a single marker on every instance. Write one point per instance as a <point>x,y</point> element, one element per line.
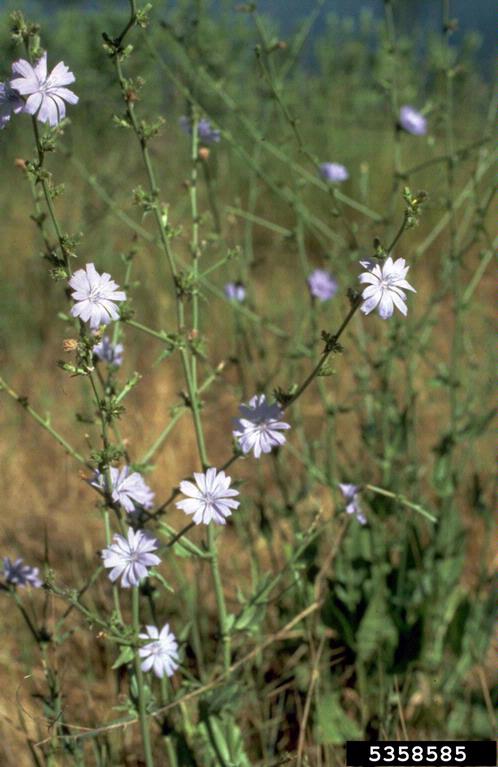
<point>402,642</point>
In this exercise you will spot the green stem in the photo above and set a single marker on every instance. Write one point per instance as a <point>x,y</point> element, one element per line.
<point>453,255</point>
<point>26,617</point>
<point>180,410</point>
<point>142,710</point>
<point>318,367</point>
<point>115,589</point>
<point>401,499</point>
<point>220,598</point>
<point>160,334</point>
<point>48,198</point>
<point>43,422</point>
<point>189,367</point>
<point>108,487</point>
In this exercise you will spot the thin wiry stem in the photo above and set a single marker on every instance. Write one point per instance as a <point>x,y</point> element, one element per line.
<point>142,707</point>
<point>43,422</point>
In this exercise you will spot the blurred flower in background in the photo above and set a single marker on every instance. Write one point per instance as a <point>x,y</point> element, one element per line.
<point>351,495</point>
<point>10,103</point>
<point>333,172</point>
<point>107,351</point>
<point>18,574</point>
<point>205,131</point>
<point>412,121</point>
<point>322,285</point>
<point>235,291</point>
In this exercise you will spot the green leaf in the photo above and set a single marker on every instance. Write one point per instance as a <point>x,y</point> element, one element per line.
<point>334,726</point>
<point>377,630</point>
<point>155,574</point>
<point>250,617</point>
<point>214,702</point>
<point>125,656</point>
<point>180,551</point>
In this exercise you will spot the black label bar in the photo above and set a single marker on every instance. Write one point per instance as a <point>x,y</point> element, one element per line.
<point>412,753</point>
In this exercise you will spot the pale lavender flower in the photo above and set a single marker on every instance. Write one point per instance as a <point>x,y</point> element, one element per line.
<point>130,557</point>
<point>385,289</point>
<point>210,499</point>
<point>205,131</point>
<point>235,291</point>
<point>160,652</point>
<point>259,426</point>
<point>333,172</point>
<point>129,490</point>
<point>412,121</point>
<point>322,285</point>
<point>107,351</point>
<point>351,494</point>
<point>95,295</point>
<point>10,103</point>
<point>18,574</point>
<point>45,94</point>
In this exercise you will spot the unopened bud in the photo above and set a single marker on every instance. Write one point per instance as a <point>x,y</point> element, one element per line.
<point>203,153</point>
<point>20,163</point>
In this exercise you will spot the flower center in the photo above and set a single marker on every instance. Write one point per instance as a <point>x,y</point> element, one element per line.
<point>95,294</point>
<point>47,85</point>
<point>386,282</point>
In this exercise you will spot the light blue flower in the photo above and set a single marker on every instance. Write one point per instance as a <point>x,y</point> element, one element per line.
<point>127,489</point>
<point>108,352</point>
<point>130,558</point>
<point>18,574</point>
<point>333,172</point>
<point>412,121</point>
<point>351,494</point>
<point>95,296</point>
<point>259,426</point>
<point>322,285</point>
<point>161,651</point>
<point>45,94</point>
<point>210,499</point>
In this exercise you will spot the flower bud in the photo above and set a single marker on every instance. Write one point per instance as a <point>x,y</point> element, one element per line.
<point>70,344</point>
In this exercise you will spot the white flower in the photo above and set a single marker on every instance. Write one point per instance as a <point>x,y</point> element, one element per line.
<point>160,652</point>
<point>259,426</point>
<point>211,498</point>
<point>385,288</point>
<point>130,490</point>
<point>130,557</point>
<point>95,295</point>
<point>46,94</point>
